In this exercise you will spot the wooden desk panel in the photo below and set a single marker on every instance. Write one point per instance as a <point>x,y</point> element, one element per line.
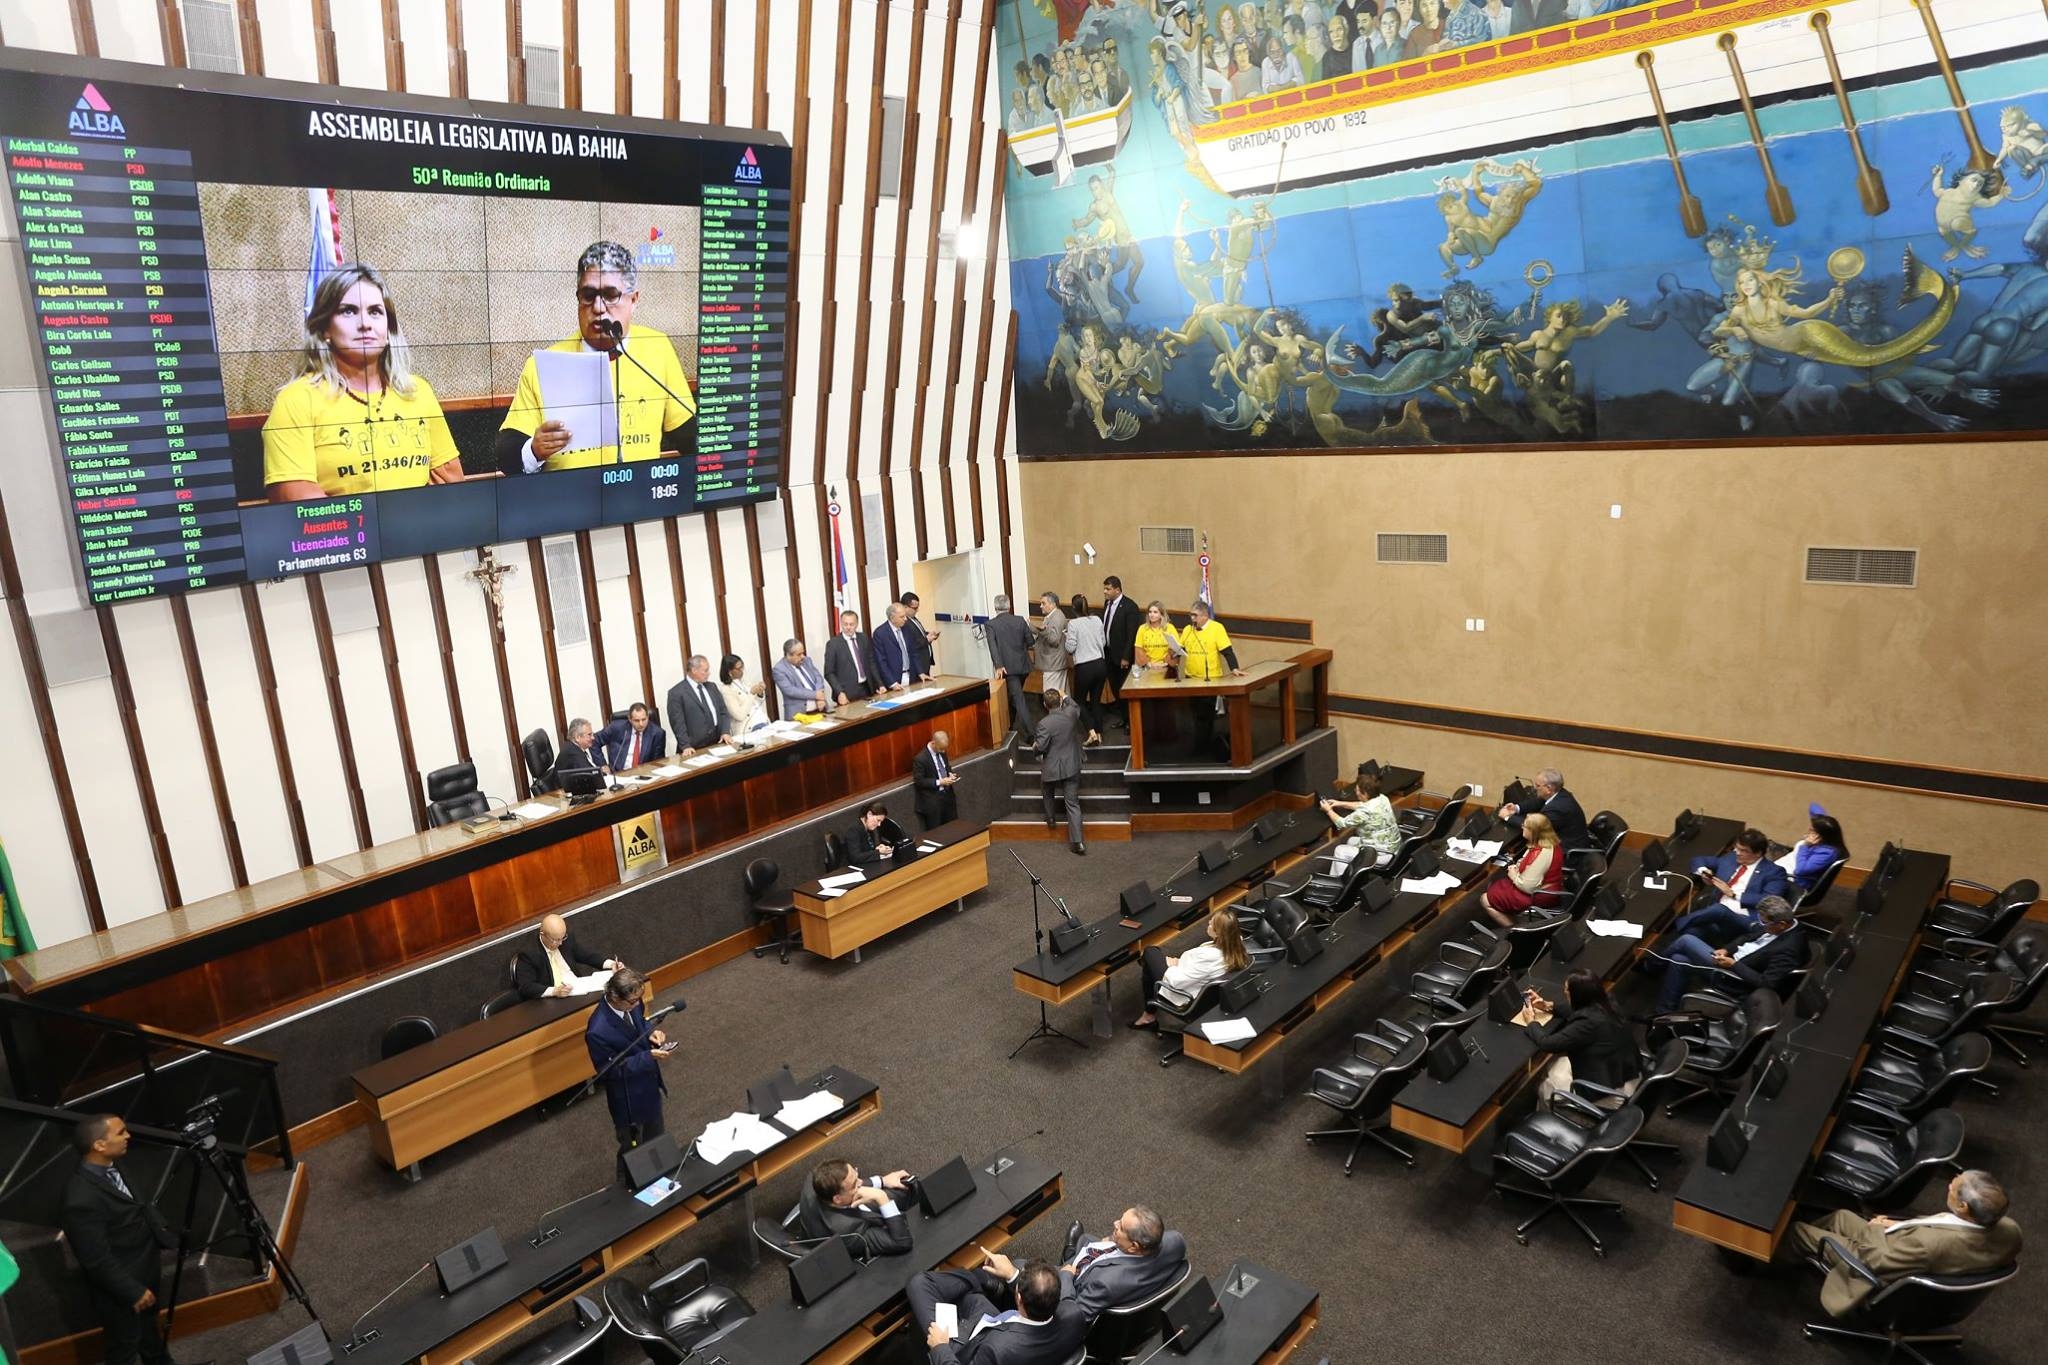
<point>844,924</point>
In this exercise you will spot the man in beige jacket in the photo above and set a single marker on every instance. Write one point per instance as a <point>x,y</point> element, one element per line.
<point>1973,1236</point>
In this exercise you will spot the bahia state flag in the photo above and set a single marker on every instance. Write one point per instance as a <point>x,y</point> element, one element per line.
<point>325,255</point>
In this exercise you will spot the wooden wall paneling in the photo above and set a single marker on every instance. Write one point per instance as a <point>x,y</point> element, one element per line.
<point>515,59</point>
<point>138,756</point>
<point>622,60</point>
<point>799,158</point>
<point>762,29</point>
<point>249,27</point>
<point>327,59</point>
<point>444,644</point>
<point>892,367</point>
<point>639,599</point>
<point>506,706</point>
<point>260,979</point>
<point>337,949</point>
<point>572,57</point>
<point>792,567</point>
<point>715,41</point>
<point>675,577</point>
<point>863,316</point>
<point>273,710</point>
<point>989,236</point>
<point>436,917</point>
<point>776,796</point>
<point>714,548</point>
<point>757,582</point>
<point>337,706</point>
<point>982,119</point>
<point>1001,442</point>
<point>458,53</point>
<point>829,333</point>
<point>170,27</point>
<point>85,32</point>
<point>671,63</point>
<point>394,682</point>
<point>941,162</point>
<point>593,612</point>
<point>394,48</point>
<point>38,686</point>
<point>209,742</point>
<point>955,352</point>
<point>544,609</point>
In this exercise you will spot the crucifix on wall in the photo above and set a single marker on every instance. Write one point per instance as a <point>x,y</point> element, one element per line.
<point>489,575</point>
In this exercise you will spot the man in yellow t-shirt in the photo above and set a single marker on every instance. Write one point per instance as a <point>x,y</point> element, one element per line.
<point>653,401</point>
<point>354,443</point>
<point>1208,647</point>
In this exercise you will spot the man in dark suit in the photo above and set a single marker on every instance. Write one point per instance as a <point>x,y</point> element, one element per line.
<point>901,655</point>
<point>934,779</point>
<point>581,753</point>
<point>1042,1329</point>
<point>696,709</point>
<point>1770,953</point>
<point>118,1238</point>
<point>836,1202</point>
<point>1137,1260</point>
<point>1059,753</point>
<point>545,962</point>
<point>868,841</point>
<point>635,740</point>
<point>1740,881</point>
<point>1567,816</point>
<point>1121,618</point>
<point>1010,638</point>
<point>849,662</point>
<point>634,1089</point>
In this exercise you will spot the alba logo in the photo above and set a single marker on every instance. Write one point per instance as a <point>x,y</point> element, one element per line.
<point>654,234</point>
<point>92,116</point>
<point>748,172</point>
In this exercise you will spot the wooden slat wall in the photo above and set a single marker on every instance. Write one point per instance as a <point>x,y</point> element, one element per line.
<point>444,670</point>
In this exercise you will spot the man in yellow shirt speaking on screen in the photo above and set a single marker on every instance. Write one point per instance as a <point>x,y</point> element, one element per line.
<point>652,396</point>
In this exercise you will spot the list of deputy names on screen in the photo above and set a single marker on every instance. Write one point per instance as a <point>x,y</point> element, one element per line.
<point>745,263</point>
<point>117,269</point>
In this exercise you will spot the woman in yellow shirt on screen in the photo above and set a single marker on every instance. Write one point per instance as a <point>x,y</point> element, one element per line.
<point>356,420</point>
<point>1208,647</point>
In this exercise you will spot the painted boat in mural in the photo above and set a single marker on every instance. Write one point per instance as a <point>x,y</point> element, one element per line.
<point>1091,138</point>
<point>1553,85</point>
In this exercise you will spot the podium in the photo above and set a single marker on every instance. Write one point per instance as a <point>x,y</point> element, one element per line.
<point>1227,722</point>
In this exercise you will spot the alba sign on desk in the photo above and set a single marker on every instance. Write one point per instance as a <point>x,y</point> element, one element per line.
<point>639,846</point>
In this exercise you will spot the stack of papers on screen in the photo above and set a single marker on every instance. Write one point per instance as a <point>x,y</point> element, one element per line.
<point>1467,852</point>
<point>736,1133</point>
<point>1229,1031</point>
<point>668,770</point>
<point>589,985</point>
<point>1434,886</point>
<point>576,390</point>
<point>1615,928</point>
<point>843,879</point>
<point>799,1114</point>
<point>533,810</point>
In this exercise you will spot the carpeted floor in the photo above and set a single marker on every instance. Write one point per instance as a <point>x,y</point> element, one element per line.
<point>1413,1265</point>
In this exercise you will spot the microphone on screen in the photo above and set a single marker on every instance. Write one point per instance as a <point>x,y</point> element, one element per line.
<point>611,327</point>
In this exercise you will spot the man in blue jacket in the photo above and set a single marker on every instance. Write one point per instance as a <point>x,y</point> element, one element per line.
<point>634,740</point>
<point>1741,879</point>
<point>633,1089</point>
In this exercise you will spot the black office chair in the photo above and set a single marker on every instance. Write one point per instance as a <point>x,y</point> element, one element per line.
<point>1914,1077</point>
<point>1809,898</point>
<point>770,902</point>
<point>1582,865</point>
<point>679,1314</point>
<point>1465,968</point>
<point>1531,931</point>
<point>452,796</point>
<point>405,1033</point>
<point>502,1000</point>
<point>1936,1017</point>
<point>1908,1313</point>
<point>1988,923</point>
<point>1592,1101</point>
<point>1119,1328</point>
<point>539,752</point>
<point>1880,1159</point>
<point>1607,830</point>
<point>1262,941</point>
<point>1176,1012</point>
<point>1722,1049</point>
<point>1421,819</point>
<point>1442,1015</point>
<point>1362,1086</point>
<point>783,1238</point>
<point>2024,958</point>
<point>835,853</point>
<point>578,1337</point>
<point>1562,1159</point>
<point>1335,885</point>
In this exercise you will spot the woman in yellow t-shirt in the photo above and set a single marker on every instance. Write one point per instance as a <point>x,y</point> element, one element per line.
<point>1156,644</point>
<point>356,420</point>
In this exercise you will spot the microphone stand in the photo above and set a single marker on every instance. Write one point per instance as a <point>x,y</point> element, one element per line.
<point>1045,1027</point>
<point>618,335</point>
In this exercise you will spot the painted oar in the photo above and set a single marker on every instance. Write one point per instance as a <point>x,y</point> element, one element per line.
<point>1980,159</point>
<point>1689,211</point>
<point>1775,194</point>
<point>1869,184</point>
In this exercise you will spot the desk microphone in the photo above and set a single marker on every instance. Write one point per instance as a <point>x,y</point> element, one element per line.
<point>1178,1333</point>
<point>543,1233</point>
<point>999,1163</point>
<point>357,1338</point>
<point>676,1006</point>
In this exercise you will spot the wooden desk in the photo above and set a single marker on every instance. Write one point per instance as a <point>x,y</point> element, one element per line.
<point>895,894</point>
<point>1266,1315</point>
<point>1307,672</point>
<point>213,964</point>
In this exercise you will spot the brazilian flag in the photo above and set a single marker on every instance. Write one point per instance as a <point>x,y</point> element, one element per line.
<point>15,937</point>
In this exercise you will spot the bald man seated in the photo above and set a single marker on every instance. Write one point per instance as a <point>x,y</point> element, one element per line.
<point>547,961</point>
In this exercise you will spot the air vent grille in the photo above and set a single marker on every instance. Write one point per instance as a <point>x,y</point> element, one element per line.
<point>210,43</point>
<point>891,176</point>
<point>1166,540</point>
<point>1866,568</point>
<point>544,75</point>
<point>1403,547</point>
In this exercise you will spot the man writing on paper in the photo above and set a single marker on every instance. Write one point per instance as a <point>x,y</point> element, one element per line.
<point>634,1089</point>
<point>652,404</point>
<point>549,962</point>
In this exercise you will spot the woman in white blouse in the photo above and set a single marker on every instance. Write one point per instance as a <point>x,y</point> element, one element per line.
<point>745,702</point>
<point>1196,968</point>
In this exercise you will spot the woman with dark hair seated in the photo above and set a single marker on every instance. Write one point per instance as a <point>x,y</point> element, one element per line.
<point>1591,1039</point>
<point>1813,854</point>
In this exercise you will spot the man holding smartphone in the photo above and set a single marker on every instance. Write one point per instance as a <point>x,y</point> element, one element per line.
<point>633,1089</point>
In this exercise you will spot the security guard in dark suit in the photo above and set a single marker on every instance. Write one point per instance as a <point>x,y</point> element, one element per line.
<point>118,1238</point>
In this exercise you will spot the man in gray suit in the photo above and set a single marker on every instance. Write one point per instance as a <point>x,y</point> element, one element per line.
<point>798,680</point>
<point>696,710</point>
<point>1059,750</point>
<point>1050,649</point>
<point>1010,641</point>
<point>1137,1260</point>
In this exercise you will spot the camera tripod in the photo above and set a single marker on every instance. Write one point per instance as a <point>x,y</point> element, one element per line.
<point>200,1140</point>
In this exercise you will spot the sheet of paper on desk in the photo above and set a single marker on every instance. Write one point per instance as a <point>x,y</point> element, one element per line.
<point>844,879</point>
<point>534,810</point>
<point>723,751</point>
<point>590,984</point>
<point>915,694</point>
<point>700,760</point>
<point>1467,852</point>
<point>1434,886</point>
<point>799,1114</point>
<point>821,725</point>
<point>831,893</point>
<point>1229,1031</point>
<point>735,1133</point>
<point>1615,928</point>
<point>928,847</point>
<point>668,770</point>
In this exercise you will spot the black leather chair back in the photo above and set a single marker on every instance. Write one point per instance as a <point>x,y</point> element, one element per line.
<point>1930,1303</point>
<point>512,971</point>
<point>835,852</point>
<point>456,809</point>
<point>1607,830</point>
<point>1615,1132</point>
<point>1662,1074</point>
<point>762,874</point>
<point>2025,959</point>
<point>406,1033</point>
<point>1286,916</point>
<point>1752,1026</point>
<point>502,1000</point>
<point>539,752</point>
<point>1448,816</point>
<point>1818,892</point>
<point>457,779</point>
